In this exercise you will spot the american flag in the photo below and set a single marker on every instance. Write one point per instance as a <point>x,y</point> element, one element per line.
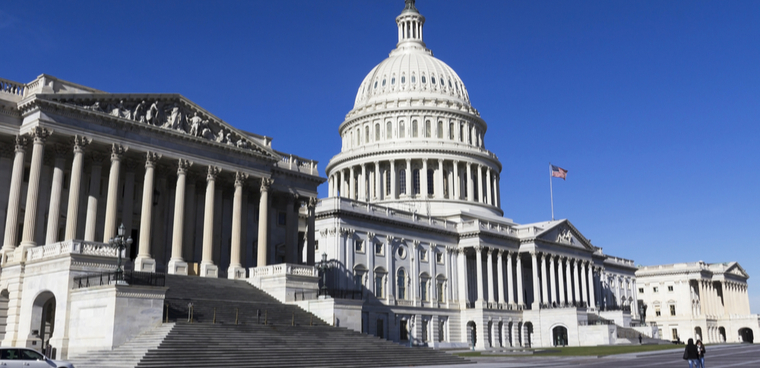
<point>559,172</point>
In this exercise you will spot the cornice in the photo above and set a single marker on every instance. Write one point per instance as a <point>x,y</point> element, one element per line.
<point>464,154</point>
<point>344,214</point>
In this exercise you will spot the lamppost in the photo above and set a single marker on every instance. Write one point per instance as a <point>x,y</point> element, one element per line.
<point>322,267</point>
<point>121,244</point>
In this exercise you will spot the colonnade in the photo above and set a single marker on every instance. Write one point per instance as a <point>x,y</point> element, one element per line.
<point>396,179</point>
<point>722,298</point>
<point>557,280</point>
<point>77,146</point>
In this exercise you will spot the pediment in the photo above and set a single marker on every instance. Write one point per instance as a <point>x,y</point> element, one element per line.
<point>171,112</point>
<point>563,232</point>
<point>735,269</point>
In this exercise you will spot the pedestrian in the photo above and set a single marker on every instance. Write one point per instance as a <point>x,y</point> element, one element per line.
<point>639,339</point>
<point>691,354</point>
<point>701,350</point>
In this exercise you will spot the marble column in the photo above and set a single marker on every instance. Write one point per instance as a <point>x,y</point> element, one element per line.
<point>392,173</point>
<point>470,184</point>
<point>536,287</point>
<point>576,282</point>
<point>568,280</point>
<point>479,272</point>
<point>236,269</point>
<point>592,286</point>
<point>481,191</point>
<point>79,143</point>
<point>208,268</point>
<point>352,184</point>
<point>489,269</point>
<point>39,135</point>
<point>363,184</point>
<point>14,197</point>
<point>583,283</point>
<point>552,281</point>
<point>520,294</point>
<point>109,230</point>
<point>489,197</point>
<point>457,183</point>
<point>54,210</point>
<point>91,220</point>
<point>311,207</point>
<point>510,280</point>
<point>177,264</point>
<point>144,261</point>
<point>496,194</point>
<point>462,272</point>
<point>263,242</point>
<point>500,274</point>
<point>544,286</point>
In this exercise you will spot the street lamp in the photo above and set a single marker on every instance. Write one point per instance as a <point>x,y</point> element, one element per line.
<point>121,244</point>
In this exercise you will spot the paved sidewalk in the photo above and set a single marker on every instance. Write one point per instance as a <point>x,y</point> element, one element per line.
<point>718,356</point>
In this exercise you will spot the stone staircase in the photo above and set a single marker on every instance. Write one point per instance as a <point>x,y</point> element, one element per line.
<point>281,336</point>
<point>127,355</point>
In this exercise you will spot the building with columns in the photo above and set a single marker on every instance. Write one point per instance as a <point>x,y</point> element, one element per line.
<point>701,301</point>
<point>414,219</point>
<point>196,195</point>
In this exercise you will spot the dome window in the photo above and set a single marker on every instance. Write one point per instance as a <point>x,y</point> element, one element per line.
<point>383,82</point>
<point>414,80</point>
<point>432,80</point>
<point>449,83</point>
<point>423,79</point>
<point>393,80</point>
<point>375,84</point>
<point>403,79</point>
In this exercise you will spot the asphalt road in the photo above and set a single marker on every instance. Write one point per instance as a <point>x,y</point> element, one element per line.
<point>718,356</point>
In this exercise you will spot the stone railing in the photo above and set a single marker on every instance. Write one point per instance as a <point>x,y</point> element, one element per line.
<point>71,247</point>
<point>618,260</point>
<point>284,269</point>
<point>295,163</point>
<point>11,87</point>
<point>491,227</point>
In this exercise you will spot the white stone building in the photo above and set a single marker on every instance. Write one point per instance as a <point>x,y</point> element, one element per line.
<point>196,195</point>
<point>414,219</point>
<point>707,302</point>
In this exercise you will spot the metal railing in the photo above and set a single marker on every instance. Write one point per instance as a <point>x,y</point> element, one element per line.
<point>128,278</point>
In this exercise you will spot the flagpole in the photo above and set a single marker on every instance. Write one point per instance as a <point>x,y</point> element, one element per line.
<point>551,190</point>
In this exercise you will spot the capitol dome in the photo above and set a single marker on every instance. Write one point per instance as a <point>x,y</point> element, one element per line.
<point>413,141</point>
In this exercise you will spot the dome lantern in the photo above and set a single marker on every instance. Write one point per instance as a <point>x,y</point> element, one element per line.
<point>410,23</point>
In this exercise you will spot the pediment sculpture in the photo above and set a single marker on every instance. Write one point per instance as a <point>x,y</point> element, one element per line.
<point>172,115</point>
<point>565,236</point>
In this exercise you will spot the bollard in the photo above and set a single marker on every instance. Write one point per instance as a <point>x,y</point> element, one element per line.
<point>236,316</point>
<point>214,320</point>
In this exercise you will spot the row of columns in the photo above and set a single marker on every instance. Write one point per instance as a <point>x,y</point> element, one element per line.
<point>574,275</point>
<point>358,184</point>
<point>732,299</point>
<point>144,260</point>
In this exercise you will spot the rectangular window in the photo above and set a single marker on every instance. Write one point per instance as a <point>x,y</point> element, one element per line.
<point>358,277</point>
<point>657,312</point>
<point>670,288</point>
<point>379,249</point>
<point>439,258</point>
<point>359,246</point>
<point>430,183</point>
<point>423,255</point>
<point>675,333</point>
<point>441,295</point>
<point>655,289</point>
<point>424,330</point>
<point>401,130</point>
<point>387,182</point>
<point>402,181</point>
<point>379,290</point>
<point>641,290</point>
<point>423,291</point>
<point>672,310</point>
<point>316,245</point>
<point>403,331</point>
<point>281,218</point>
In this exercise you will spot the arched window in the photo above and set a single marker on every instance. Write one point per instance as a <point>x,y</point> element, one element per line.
<point>427,128</point>
<point>439,133</point>
<point>366,134</point>
<point>461,132</point>
<point>451,131</point>
<point>446,184</point>
<point>401,129</point>
<point>387,182</point>
<point>403,79</point>
<point>414,80</point>
<point>424,284</point>
<point>377,132</point>
<point>401,284</point>
<point>416,181</point>
<point>414,128</point>
<point>441,288</point>
<point>402,181</point>
<point>388,130</point>
<point>423,79</point>
<point>351,142</point>
<point>430,183</point>
<point>393,81</point>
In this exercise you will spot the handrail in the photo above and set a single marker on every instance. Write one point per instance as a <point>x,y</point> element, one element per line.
<point>125,278</point>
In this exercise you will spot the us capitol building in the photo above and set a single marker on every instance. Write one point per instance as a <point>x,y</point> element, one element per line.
<point>414,244</point>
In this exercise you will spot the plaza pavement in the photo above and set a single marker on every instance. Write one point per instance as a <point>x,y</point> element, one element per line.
<point>718,356</point>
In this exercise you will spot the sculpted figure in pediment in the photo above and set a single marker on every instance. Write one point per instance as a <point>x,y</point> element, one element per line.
<point>220,136</point>
<point>153,115</point>
<point>175,119</point>
<point>94,107</point>
<point>139,112</point>
<point>195,124</point>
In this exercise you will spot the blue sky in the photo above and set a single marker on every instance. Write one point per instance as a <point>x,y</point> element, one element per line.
<point>652,106</point>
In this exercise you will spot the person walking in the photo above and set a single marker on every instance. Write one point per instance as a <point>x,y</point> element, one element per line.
<point>701,350</point>
<point>691,354</point>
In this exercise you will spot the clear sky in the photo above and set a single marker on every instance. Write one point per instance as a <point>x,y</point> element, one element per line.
<point>652,106</point>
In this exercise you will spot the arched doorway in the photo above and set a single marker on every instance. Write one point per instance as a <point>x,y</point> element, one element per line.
<point>472,334</point>
<point>559,336</point>
<point>43,317</point>
<point>747,335</point>
<point>698,333</point>
<point>528,328</point>
<point>722,333</point>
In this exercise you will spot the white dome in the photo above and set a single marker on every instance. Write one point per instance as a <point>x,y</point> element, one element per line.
<point>407,72</point>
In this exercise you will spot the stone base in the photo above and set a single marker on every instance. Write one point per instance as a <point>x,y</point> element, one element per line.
<point>209,270</point>
<point>236,272</point>
<point>177,267</point>
<point>145,264</point>
<point>20,252</point>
